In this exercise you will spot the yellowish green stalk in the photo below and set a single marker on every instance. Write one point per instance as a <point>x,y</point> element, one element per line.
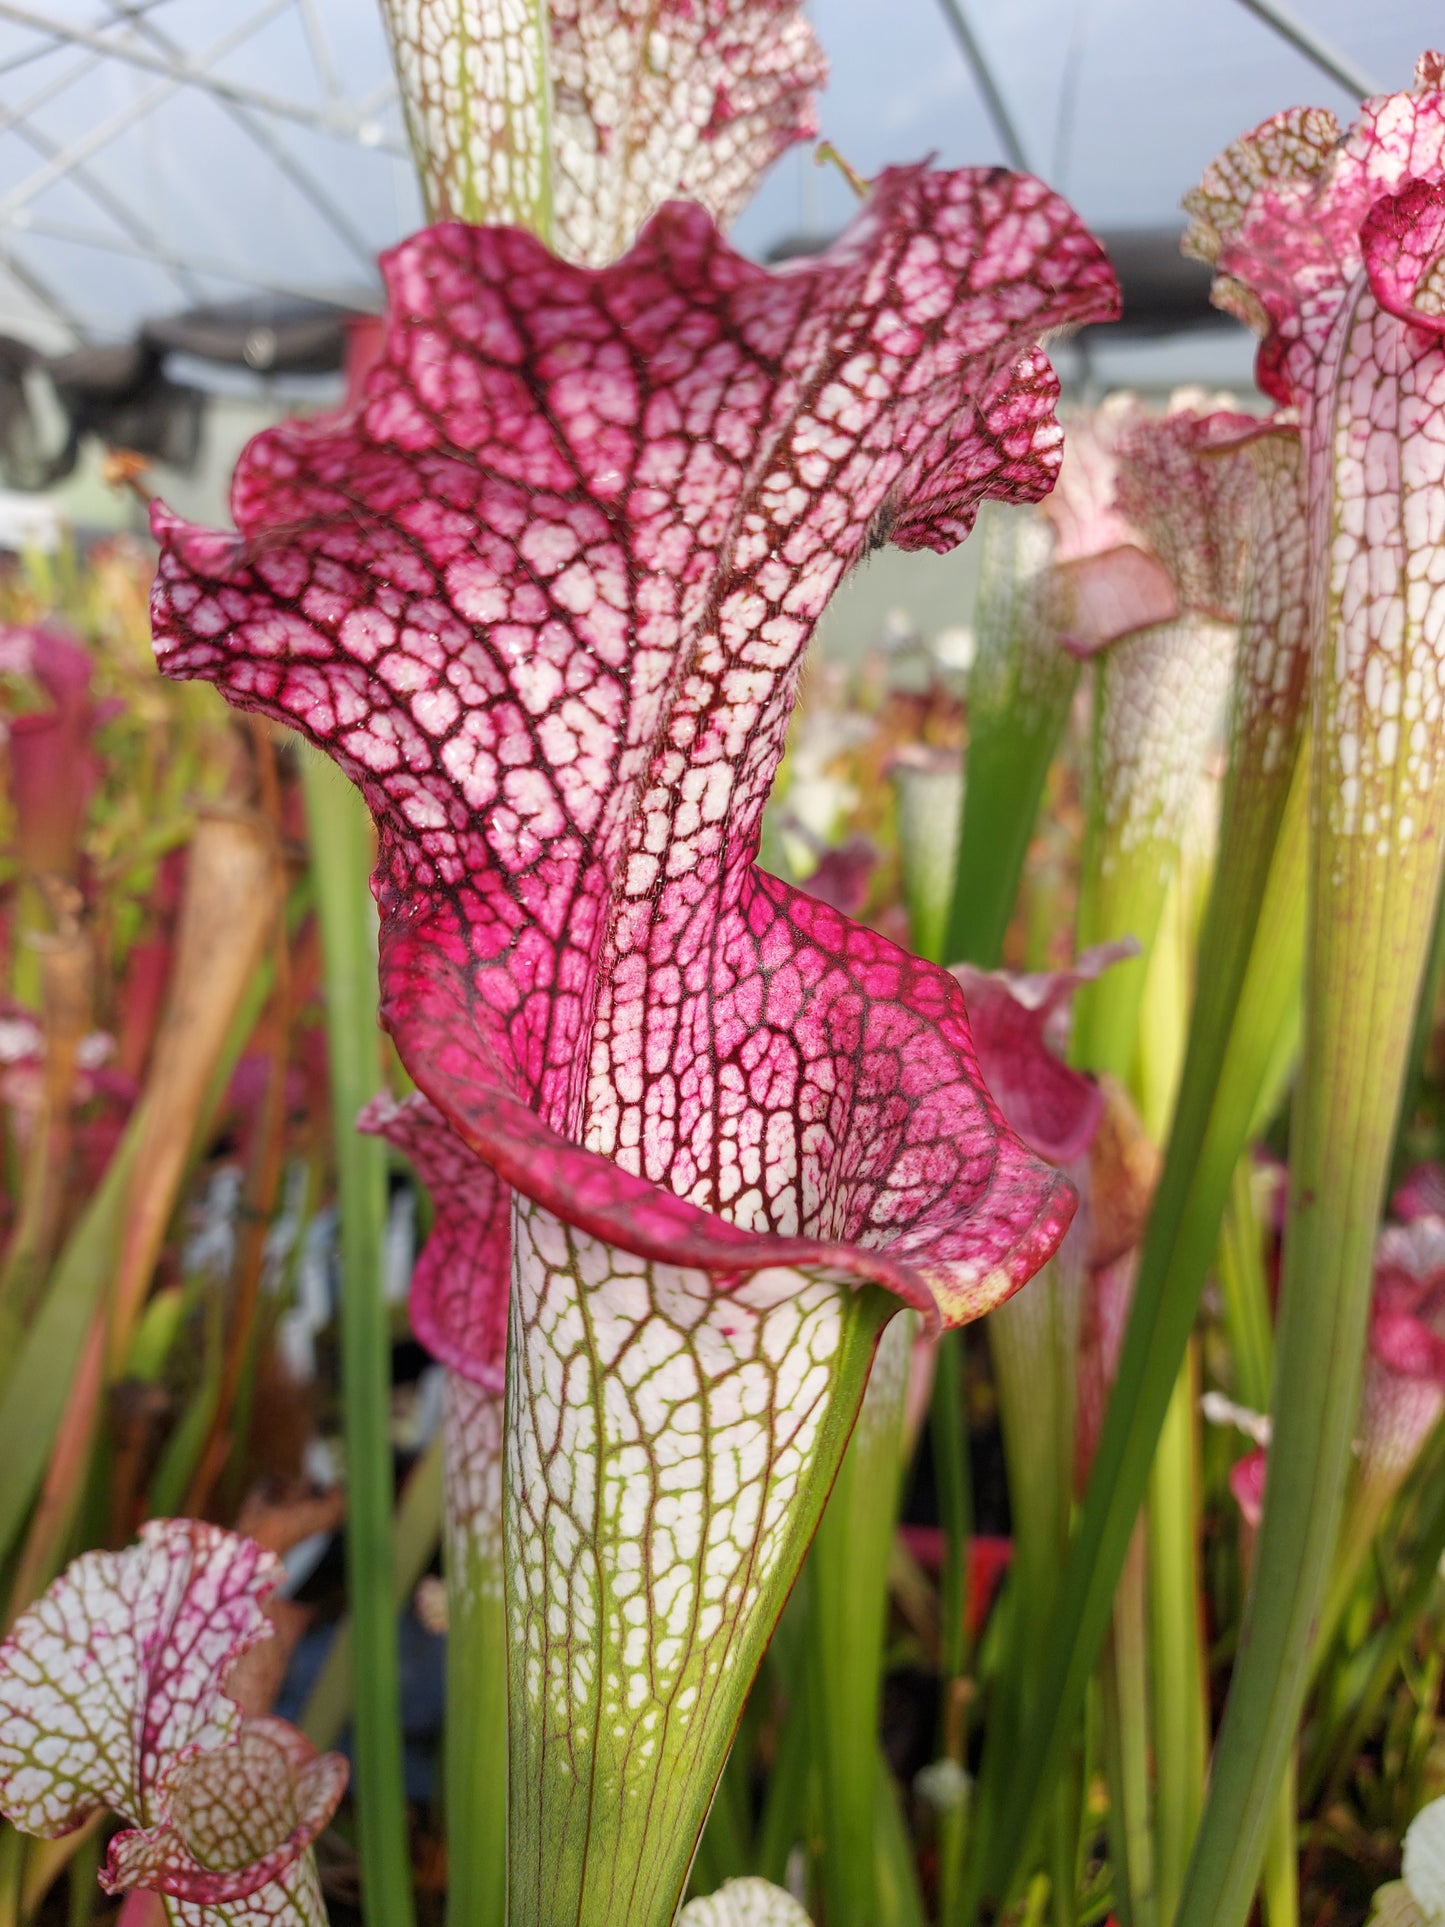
<point>1133,1027</point>
<point>1178,1701</point>
<point>785,1820</point>
<point>76,1853</point>
<point>1243,1288</point>
<point>1340,1145</point>
<point>476,1760</point>
<point>418,1529</point>
<point>725,1851</point>
<point>12,1874</point>
<point>1335,1744</point>
<point>1247,986</point>
<point>1422,1034</point>
<point>1178,1697</point>
<point>1019,692</point>
<point>341,851</point>
<point>849,1602</point>
<point>1245,1293</point>
<point>1036,1902</point>
<point>900,1903</point>
<point>1279,1878</point>
<point>1124,1702</point>
<point>928,810</point>
<point>1033,1342</point>
<point>948,1437</point>
<point>83,1871</point>
<point>1376,829</point>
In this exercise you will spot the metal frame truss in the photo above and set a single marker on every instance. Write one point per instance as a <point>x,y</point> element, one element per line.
<point>130,32</point>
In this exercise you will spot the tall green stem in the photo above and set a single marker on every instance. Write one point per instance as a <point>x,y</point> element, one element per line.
<point>1034,1342</point>
<point>1178,1702</point>
<point>341,846</point>
<point>1245,990</point>
<point>1177,1681</point>
<point>725,1850</point>
<point>928,806</point>
<point>1421,1035</point>
<point>1366,965</point>
<point>476,1721</point>
<point>1377,828</point>
<point>785,1812</point>
<point>1132,1023</point>
<point>1154,695</point>
<point>416,1533</point>
<point>900,1903</point>
<point>1279,1879</point>
<point>1336,1747</point>
<point>1018,702</point>
<point>1245,1293</point>
<point>849,1604</point>
<point>948,1437</point>
<point>1251,1348</point>
<point>1217,1103</point>
<point>476,1745</point>
<point>1124,1686</point>
<point>12,1870</point>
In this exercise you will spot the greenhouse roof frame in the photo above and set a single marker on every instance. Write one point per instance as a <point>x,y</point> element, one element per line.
<point>97,233</point>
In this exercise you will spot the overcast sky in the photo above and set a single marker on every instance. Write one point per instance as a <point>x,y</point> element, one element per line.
<point>1120,103</point>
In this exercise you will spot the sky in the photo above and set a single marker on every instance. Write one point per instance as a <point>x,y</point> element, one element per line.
<point>1120,103</point>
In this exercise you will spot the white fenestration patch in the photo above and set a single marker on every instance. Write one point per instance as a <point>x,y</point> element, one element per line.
<point>882,1406</point>
<point>658,1439</point>
<point>1163,695</point>
<point>473,77</point>
<point>473,1446</point>
<point>292,1901</point>
<point>744,1903</point>
<point>1274,626</point>
<point>1384,594</point>
<point>585,115</point>
<point>1422,1864</point>
<point>116,1672</point>
<point>652,102</point>
<point>111,1697</point>
<point>1021,670</point>
<point>1424,1860</point>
